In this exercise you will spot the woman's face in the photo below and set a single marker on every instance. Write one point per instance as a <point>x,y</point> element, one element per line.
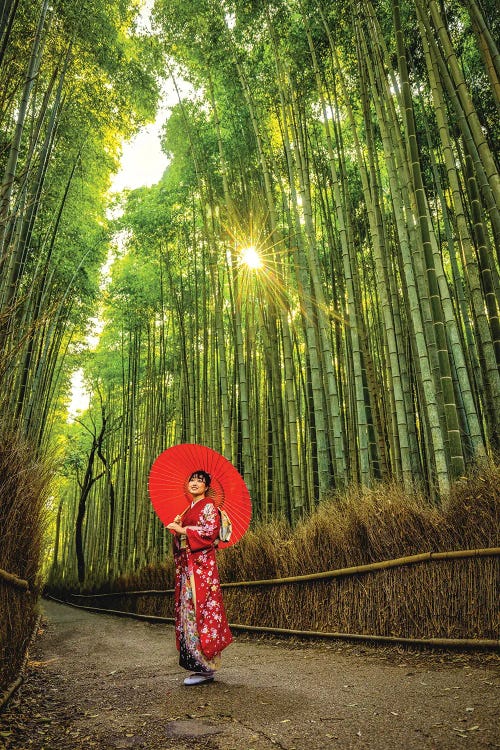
<point>197,486</point>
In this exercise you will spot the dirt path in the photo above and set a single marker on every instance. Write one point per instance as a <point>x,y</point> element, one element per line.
<point>97,681</point>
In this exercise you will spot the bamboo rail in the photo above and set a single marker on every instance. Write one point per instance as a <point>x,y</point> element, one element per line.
<point>383,565</point>
<point>13,580</point>
<point>480,643</point>
<point>354,570</point>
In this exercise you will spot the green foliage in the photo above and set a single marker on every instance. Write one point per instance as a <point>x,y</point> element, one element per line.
<point>97,83</point>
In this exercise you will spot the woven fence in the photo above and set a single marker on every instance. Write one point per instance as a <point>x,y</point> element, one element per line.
<point>17,620</point>
<point>445,596</point>
<point>24,489</point>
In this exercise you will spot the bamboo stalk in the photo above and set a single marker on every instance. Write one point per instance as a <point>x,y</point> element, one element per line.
<point>9,692</point>
<point>145,592</point>
<point>439,642</point>
<point>480,643</point>
<point>14,580</point>
<point>355,570</point>
<point>383,565</point>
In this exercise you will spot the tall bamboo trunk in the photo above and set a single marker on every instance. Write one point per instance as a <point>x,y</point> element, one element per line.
<point>457,464</point>
<point>9,176</point>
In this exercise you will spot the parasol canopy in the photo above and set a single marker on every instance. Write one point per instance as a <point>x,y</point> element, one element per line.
<point>168,485</point>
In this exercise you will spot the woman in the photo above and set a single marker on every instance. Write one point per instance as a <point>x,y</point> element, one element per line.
<point>201,627</point>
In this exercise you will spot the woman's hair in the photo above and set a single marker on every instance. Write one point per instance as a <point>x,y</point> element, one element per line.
<point>201,474</point>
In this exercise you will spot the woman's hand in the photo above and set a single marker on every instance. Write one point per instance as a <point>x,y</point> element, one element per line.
<point>175,526</point>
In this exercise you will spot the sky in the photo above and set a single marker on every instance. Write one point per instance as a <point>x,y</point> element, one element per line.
<point>143,161</point>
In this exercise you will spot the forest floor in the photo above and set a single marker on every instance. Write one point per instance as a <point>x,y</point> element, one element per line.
<point>98,681</point>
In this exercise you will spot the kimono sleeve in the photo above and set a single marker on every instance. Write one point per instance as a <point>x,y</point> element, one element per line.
<point>206,530</point>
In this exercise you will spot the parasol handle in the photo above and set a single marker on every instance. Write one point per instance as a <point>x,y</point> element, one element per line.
<point>180,515</point>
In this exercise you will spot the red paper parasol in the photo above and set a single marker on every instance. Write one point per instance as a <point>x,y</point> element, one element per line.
<point>168,485</point>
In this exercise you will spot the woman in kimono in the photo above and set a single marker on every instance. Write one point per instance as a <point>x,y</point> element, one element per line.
<point>201,627</point>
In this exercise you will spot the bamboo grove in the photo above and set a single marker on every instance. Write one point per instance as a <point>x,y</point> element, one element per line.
<point>65,105</point>
<point>75,79</point>
<point>352,147</point>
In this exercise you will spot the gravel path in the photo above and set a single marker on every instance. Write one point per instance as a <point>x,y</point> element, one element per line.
<point>97,681</point>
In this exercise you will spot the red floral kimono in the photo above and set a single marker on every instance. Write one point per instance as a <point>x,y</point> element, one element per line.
<point>201,627</point>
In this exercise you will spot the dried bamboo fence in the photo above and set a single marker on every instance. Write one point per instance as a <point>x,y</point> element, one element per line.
<point>11,689</point>
<point>24,490</point>
<point>452,602</point>
<point>21,586</point>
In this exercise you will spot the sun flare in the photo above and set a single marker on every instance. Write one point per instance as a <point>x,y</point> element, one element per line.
<point>250,257</point>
